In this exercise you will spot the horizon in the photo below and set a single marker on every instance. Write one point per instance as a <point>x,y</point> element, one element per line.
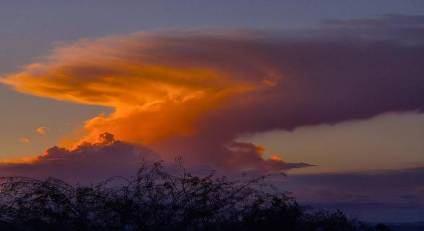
<point>330,93</point>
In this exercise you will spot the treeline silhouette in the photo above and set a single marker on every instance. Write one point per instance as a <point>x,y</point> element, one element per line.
<point>156,200</point>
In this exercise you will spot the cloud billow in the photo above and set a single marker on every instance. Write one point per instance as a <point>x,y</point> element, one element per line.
<point>192,94</point>
<point>86,163</point>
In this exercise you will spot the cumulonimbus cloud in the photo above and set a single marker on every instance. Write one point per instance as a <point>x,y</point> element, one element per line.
<point>192,94</point>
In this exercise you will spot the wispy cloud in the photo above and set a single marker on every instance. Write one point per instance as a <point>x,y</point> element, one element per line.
<point>41,131</point>
<point>24,140</point>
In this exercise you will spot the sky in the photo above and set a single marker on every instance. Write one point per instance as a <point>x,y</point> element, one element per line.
<point>327,90</point>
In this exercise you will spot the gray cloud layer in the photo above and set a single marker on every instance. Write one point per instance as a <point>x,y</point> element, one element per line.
<point>385,196</point>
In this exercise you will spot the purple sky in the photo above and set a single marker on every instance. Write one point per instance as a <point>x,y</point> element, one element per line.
<point>350,99</point>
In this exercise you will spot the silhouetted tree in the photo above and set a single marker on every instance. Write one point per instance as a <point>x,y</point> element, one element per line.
<point>156,200</point>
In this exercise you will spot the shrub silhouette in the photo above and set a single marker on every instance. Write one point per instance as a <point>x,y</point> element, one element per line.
<point>156,200</point>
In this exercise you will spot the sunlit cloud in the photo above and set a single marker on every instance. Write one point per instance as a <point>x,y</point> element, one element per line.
<point>192,94</point>
<point>41,131</point>
<point>157,96</point>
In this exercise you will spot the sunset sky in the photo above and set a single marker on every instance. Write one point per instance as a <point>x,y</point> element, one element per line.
<point>329,91</point>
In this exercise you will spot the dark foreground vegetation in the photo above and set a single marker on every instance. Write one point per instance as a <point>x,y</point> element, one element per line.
<point>157,200</point>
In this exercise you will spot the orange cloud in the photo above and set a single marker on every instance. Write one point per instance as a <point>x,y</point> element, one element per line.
<point>41,131</point>
<point>156,94</point>
<point>153,99</point>
<point>275,157</point>
<point>193,95</point>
